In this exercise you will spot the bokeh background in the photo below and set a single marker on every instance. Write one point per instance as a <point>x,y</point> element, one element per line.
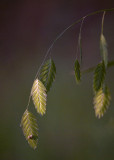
<point>69,130</point>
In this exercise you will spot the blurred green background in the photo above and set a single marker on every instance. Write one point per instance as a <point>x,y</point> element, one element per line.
<point>69,130</point>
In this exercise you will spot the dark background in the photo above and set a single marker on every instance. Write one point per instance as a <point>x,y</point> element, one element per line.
<point>69,130</point>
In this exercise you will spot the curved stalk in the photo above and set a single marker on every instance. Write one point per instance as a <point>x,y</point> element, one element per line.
<point>102,22</point>
<point>91,69</point>
<point>61,34</point>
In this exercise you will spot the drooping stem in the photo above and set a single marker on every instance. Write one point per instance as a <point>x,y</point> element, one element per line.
<point>70,26</point>
<point>91,69</point>
<point>61,34</point>
<point>79,46</point>
<point>103,22</point>
<point>29,100</point>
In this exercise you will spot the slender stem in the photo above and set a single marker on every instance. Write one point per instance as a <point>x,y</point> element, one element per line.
<point>80,41</point>
<point>103,22</point>
<point>91,69</point>
<point>61,34</point>
<point>29,100</point>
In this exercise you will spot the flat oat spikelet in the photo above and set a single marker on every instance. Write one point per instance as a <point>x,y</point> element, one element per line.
<point>103,49</point>
<point>30,128</point>
<point>39,96</point>
<point>47,74</point>
<point>77,71</point>
<point>101,101</point>
<point>99,76</point>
